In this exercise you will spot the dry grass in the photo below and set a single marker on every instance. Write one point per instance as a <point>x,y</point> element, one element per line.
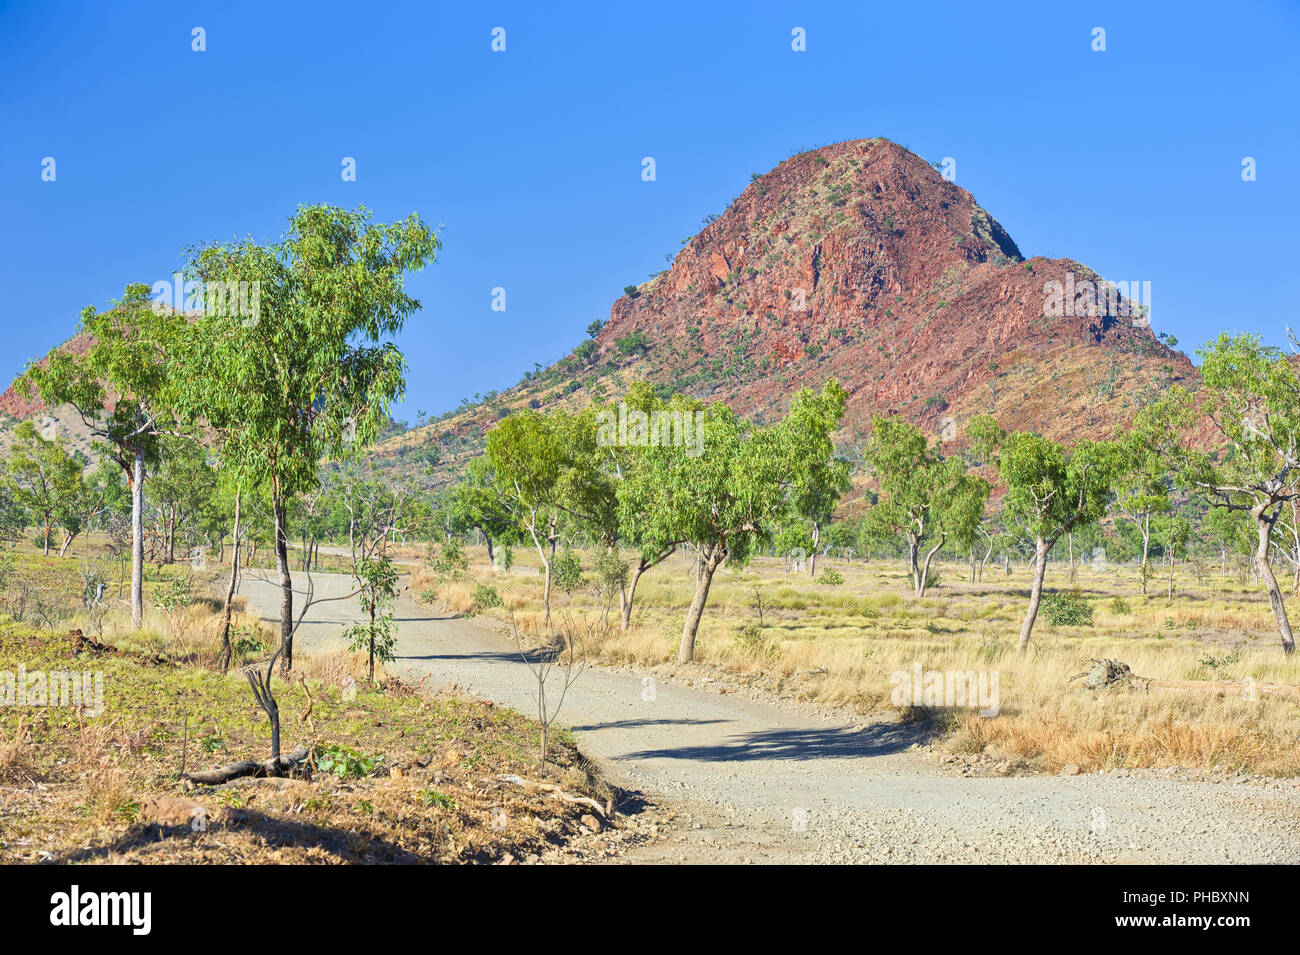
<point>843,644</point>
<point>167,706</point>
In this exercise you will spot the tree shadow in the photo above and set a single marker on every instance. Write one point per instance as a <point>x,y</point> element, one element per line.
<point>272,831</point>
<point>837,742</point>
<point>630,724</point>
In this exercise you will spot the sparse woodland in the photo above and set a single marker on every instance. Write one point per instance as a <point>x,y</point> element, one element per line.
<point>222,445</point>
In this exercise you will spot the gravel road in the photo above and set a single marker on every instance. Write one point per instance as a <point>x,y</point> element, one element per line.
<point>766,780</point>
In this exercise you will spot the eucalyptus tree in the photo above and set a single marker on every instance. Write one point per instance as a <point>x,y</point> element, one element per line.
<point>1142,495</point>
<point>1173,532</point>
<point>731,496</point>
<point>818,479</point>
<point>1051,491</point>
<point>643,518</point>
<point>527,453</point>
<point>476,504</point>
<point>1249,404</point>
<point>46,480</point>
<point>924,497</point>
<point>313,372</point>
<point>122,386</point>
<point>183,484</point>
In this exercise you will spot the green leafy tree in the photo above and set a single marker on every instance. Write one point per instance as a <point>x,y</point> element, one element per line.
<point>183,484</point>
<point>313,374</point>
<point>1052,491</point>
<point>1173,532</point>
<point>46,479</point>
<point>1250,402</point>
<point>925,498</point>
<point>528,455</point>
<point>476,504</point>
<point>376,579</point>
<point>122,386</point>
<point>820,479</point>
<point>1142,495</point>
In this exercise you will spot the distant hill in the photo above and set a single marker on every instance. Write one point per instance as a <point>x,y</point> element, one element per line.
<point>856,260</point>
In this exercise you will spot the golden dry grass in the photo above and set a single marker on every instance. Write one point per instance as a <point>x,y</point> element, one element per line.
<point>842,644</point>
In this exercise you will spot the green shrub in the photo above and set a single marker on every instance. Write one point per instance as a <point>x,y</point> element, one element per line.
<point>751,639</point>
<point>485,598</point>
<point>830,576</point>
<point>1120,605</point>
<point>174,593</point>
<point>345,763</point>
<point>449,562</point>
<point>566,572</point>
<point>1069,609</point>
<point>434,799</point>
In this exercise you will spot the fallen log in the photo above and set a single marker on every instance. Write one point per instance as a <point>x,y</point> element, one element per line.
<point>555,791</point>
<point>282,765</point>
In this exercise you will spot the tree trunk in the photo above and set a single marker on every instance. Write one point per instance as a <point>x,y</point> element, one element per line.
<point>372,642</point>
<point>625,599</point>
<point>492,559</point>
<point>816,541</point>
<point>706,564</point>
<point>1146,547</point>
<point>46,548</point>
<point>137,540</point>
<point>1041,548</point>
<point>1171,572</point>
<point>1265,574</point>
<point>230,590</point>
<point>913,549</point>
<point>924,577</point>
<point>280,509</point>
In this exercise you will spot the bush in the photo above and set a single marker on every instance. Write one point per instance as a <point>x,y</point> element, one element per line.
<point>1070,609</point>
<point>566,572</point>
<point>611,572</point>
<point>448,563</point>
<point>1120,605</point>
<point>751,639</point>
<point>174,593</point>
<point>485,598</point>
<point>830,576</point>
<point>345,763</point>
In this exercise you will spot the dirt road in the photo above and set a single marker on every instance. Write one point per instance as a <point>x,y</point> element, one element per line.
<point>768,781</point>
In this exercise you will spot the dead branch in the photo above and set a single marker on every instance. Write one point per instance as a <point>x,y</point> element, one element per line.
<point>555,791</point>
<point>276,766</point>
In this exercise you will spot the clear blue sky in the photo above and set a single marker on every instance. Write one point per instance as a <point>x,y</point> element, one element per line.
<point>1127,160</point>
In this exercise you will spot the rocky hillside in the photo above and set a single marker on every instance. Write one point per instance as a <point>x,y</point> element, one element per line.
<point>859,261</point>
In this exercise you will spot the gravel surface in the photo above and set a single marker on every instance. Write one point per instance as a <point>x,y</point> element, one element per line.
<point>735,775</point>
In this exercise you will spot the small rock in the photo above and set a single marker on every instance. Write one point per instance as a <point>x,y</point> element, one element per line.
<point>170,811</point>
<point>1070,769</point>
<point>591,823</point>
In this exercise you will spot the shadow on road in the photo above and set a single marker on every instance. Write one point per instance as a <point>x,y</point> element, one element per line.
<point>796,744</point>
<point>631,724</point>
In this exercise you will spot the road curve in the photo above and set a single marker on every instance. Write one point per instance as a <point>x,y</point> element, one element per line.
<point>756,781</point>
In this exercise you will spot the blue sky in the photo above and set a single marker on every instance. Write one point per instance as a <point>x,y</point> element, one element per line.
<point>1128,160</point>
